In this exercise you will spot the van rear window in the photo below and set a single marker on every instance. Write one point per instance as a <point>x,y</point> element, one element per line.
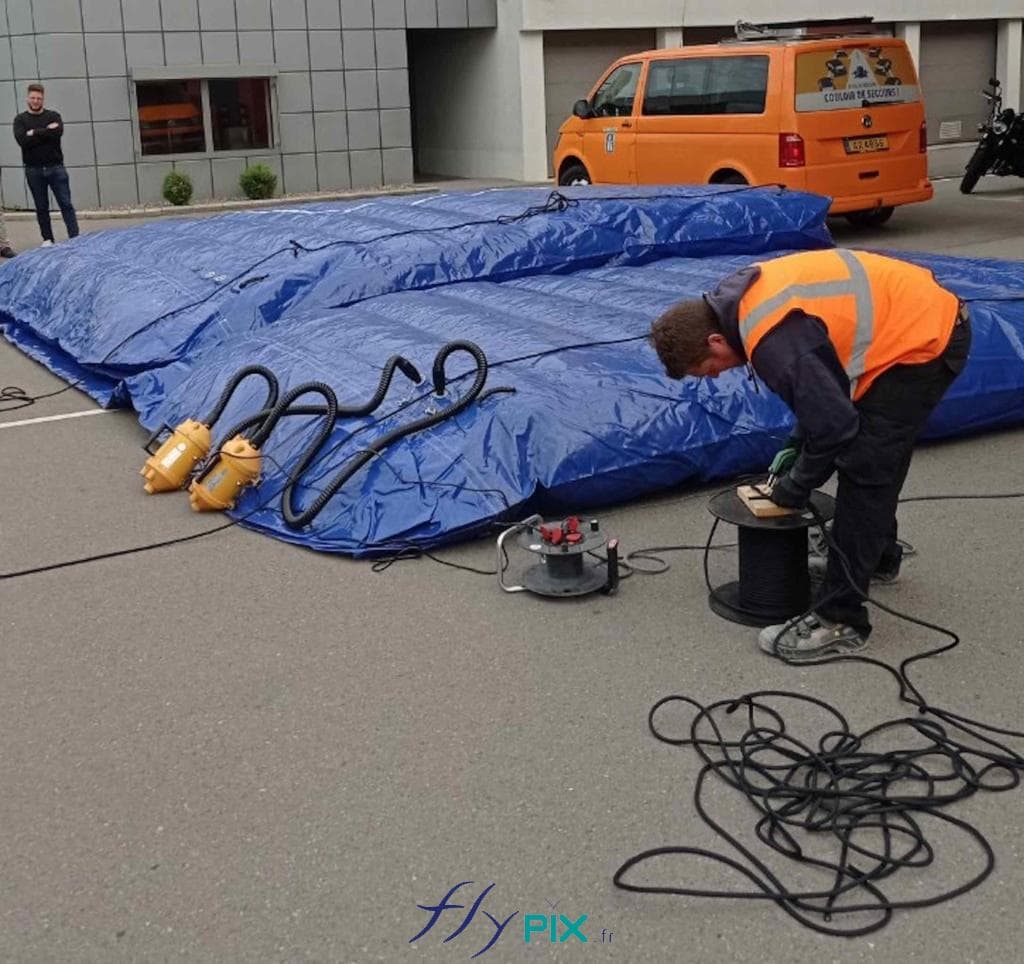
<point>706,85</point>
<point>833,79</point>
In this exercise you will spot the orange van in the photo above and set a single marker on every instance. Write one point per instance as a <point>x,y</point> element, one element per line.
<point>839,116</point>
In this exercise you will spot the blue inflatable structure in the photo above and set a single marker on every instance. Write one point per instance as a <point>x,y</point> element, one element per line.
<point>558,290</point>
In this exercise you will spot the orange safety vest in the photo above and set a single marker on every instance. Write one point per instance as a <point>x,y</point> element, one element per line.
<point>879,312</point>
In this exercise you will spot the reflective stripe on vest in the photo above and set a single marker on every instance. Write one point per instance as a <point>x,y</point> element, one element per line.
<point>857,286</point>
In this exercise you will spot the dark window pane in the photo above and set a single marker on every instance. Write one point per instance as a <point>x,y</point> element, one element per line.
<point>170,116</point>
<point>676,86</point>
<point>737,85</point>
<point>614,98</point>
<point>239,111</point>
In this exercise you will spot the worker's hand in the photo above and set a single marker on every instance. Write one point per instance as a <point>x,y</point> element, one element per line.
<point>30,132</point>
<point>789,495</point>
<point>53,126</point>
<point>783,461</point>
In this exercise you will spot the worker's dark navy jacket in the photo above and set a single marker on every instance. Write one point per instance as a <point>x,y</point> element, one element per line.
<point>797,361</point>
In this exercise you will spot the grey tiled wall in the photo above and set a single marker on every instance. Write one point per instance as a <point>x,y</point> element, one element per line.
<point>342,90</point>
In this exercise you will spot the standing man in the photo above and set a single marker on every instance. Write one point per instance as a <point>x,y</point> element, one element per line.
<point>862,348</point>
<point>39,131</point>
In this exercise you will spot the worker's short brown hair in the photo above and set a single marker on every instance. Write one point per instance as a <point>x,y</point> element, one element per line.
<point>680,336</point>
<point>34,87</point>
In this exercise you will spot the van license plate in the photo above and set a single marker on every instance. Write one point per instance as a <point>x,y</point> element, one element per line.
<point>865,145</point>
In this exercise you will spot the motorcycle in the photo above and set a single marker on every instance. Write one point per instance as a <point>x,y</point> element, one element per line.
<point>1000,149</point>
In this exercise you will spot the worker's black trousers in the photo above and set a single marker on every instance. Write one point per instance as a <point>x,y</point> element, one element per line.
<point>872,470</point>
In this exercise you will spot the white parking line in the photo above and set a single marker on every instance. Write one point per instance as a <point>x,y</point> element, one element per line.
<point>56,418</point>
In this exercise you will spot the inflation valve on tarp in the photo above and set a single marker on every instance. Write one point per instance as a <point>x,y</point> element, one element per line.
<point>563,547</point>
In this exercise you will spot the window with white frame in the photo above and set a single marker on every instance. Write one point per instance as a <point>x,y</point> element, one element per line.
<point>186,116</point>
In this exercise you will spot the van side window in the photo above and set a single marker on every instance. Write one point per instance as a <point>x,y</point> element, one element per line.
<point>707,85</point>
<point>614,98</point>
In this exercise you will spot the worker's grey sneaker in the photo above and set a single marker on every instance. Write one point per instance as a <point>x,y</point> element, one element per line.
<point>811,638</point>
<point>888,570</point>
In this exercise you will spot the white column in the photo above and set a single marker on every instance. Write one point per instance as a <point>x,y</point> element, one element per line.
<point>911,33</point>
<point>1008,61</point>
<point>533,105</point>
<point>669,37</point>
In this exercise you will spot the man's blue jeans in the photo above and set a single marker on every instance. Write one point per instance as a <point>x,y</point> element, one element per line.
<point>41,180</point>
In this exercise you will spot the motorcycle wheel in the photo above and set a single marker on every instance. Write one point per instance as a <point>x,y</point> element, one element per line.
<point>976,166</point>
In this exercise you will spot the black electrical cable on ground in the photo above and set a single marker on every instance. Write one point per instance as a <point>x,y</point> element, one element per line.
<point>872,799</point>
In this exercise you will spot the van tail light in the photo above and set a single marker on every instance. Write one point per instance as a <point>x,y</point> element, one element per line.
<point>791,150</point>
<point>922,142</point>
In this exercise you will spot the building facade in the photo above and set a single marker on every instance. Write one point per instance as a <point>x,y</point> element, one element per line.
<point>334,94</point>
<point>318,90</point>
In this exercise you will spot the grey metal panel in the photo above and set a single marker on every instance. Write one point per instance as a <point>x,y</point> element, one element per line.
<point>957,60</point>
<point>104,55</point>
<point>331,131</point>
<point>144,49</point>
<point>291,49</point>
<point>398,166</point>
<point>393,86</point>
<point>391,51</point>
<point>360,89</point>
<point>323,14</point>
<point>60,55</point>
<point>70,98</point>
<point>114,142</point>
<point>117,185</point>
<point>483,13</point>
<point>57,16</point>
<point>100,14</point>
<point>6,67</point>
<point>19,17</point>
<point>389,13</point>
<point>299,173</point>
<point>109,96</point>
<point>226,172</point>
<point>253,14</point>
<point>452,13</point>
<point>329,91</point>
<point>151,180</point>
<point>356,14</point>
<point>359,49</point>
<point>15,192</point>
<point>180,15</point>
<point>325,50</point>
<point>215,14</point>
<point>141,15</point>
<point>333,171</point>
<point>182,49</point>
<point>363,129</point>
<point>367,168</point>
<point>395,129</point>
<point>202,180</point>
<point>208,70</point>
<point>76,144</point>
<point>83,193</point>
<point>220,48</point>
<point>23,58</point>
<point>255,47</point>
<point>293,92</point>
<point>288,14</point>
<point>297,133</point>
<point>421,13</point>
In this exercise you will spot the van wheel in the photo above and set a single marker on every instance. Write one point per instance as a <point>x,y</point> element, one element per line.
<point>870,219</point>
<point>573,175</point>
<point>732,177</point>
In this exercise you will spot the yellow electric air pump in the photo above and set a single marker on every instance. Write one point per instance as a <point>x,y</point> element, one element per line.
<point>172,465</point>
<point>237,466</point>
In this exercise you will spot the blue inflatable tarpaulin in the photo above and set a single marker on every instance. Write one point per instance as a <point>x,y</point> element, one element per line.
<point>560,299</point>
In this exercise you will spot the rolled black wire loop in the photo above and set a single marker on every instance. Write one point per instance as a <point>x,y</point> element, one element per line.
<point>773,571</point>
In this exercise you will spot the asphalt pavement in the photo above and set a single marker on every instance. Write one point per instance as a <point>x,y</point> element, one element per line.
<point>233,749</point>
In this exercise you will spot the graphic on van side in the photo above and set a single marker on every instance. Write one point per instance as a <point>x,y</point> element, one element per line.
<point>847,77</point>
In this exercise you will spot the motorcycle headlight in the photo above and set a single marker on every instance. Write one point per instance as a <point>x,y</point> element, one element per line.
<point>999,127</point>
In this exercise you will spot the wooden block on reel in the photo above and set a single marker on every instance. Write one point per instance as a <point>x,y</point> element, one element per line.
<point>756,499</point>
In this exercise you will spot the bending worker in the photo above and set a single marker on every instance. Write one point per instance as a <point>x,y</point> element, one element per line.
<point>862,348</point>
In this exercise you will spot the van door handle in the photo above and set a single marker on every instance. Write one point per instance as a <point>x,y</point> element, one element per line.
<point>627,124</point>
